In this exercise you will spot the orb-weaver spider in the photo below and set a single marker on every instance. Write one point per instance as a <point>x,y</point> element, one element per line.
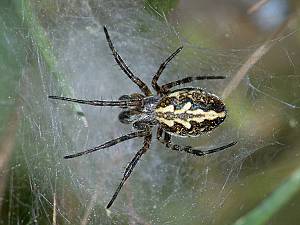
<point>183,112</point>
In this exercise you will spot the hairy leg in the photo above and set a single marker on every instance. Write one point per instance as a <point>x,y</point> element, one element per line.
<point>168,143</point>
<point>120,103</point>
<point>161,69</point>
<point>168,86</point>
<point>130,167</point>
<point>144,88</point>
<point>110,143</point>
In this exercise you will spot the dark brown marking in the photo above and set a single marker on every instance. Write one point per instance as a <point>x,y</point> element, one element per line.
<point>200,100</point>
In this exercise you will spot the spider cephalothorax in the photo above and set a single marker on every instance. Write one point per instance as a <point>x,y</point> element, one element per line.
<point>183,112</point>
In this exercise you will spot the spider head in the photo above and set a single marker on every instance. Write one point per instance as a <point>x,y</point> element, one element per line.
<point>129,116</point>
<point>143,114</point>
<point>134,96</point>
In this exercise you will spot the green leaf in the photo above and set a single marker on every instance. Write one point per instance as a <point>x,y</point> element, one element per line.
<point>262,213</point>
<point>25,10</point>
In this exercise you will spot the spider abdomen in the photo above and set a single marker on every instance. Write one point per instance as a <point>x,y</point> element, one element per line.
<point>190,112</point>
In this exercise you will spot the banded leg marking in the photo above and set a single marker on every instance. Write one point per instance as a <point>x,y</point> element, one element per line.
<point>130,167</point>
<point>161,69</point>
<point>109,143</point>
<point>144,88</point>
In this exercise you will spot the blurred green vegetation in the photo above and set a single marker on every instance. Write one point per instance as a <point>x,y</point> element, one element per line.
<point>160,8</point>
<point>265,211</point>
<point>12,57</point>
<point>272,130</point>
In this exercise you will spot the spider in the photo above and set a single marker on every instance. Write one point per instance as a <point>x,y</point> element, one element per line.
<point>184,112</point>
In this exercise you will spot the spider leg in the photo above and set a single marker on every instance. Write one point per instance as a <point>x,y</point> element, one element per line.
<point>144,88</point>
<point>129,116</point>
<point>159,134</point>
<point>188,149</point>
<point>130,167</point>
<point>132,97</point>
<point>168,86</point>
<point>120,103</point>
<point>161,69</point>
<point>109,143</point>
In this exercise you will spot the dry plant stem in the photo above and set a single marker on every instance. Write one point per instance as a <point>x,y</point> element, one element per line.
<point>253,59</point>
<point>54,209</point>
<point>256,6</point>
<point>7,144</point>
<point>89,209</point>
<point>134,218</point>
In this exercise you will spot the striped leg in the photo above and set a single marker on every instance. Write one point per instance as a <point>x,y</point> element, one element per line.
<point>130,168</point>
<point>125,68</point>
<point>168,86</point>
<point>110,143</point>
<point>120,103</point>
<point>188,149</point>
<point>161,69</point>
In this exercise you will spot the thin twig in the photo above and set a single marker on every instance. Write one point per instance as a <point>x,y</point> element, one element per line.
<point>134,218</point>
<point>254,58</point>
<point>54,209</point>
<point>89,209</point>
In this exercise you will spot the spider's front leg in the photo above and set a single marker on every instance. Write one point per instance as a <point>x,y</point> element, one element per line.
<point>143,87</point>
<point>166,87</point>
<point>188,149</point>
<point>161,69</point>
<point>125,103</point>
<point>110,143</point>
<point>130,167</point>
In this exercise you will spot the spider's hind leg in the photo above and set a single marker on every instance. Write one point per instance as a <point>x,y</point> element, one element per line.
<point>166,87</point>
<point>167,142</point>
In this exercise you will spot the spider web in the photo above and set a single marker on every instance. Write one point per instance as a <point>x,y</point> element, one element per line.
<point>166,187</point>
